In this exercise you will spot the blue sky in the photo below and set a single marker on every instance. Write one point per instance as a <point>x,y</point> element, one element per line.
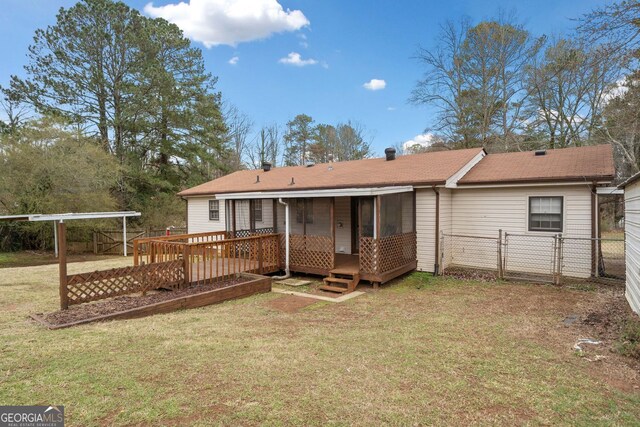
<point>352,42</point>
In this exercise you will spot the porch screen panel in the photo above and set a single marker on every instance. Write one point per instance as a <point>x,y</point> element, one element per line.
<point>311,238</point>
<point>396,214</point>
<point>408,216</point>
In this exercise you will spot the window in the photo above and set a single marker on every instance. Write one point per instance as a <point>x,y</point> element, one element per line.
<point>214,210</point>
<point>545,213</point>
<point>257,210</point>
<point>304,208</point>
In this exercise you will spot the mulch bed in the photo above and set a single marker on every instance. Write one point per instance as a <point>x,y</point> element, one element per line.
<point>471,274</point>
<point>126,302</point>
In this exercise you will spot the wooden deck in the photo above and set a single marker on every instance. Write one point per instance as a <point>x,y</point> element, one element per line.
<point>346,264</point>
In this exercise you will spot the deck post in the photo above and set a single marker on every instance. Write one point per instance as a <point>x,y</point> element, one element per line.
<point>252,215</point>
<point>233,218</point>
<point>260,254</point>
<point>135,252</point>
<point>187,263</point>
<point>62,261</point>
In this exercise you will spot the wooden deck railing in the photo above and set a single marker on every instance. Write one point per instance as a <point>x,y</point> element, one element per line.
<point>378,256</point>
<point>313,252</point>
<point>209,262</point>
<point>214,259</point>
<point>144,250</point>
<point>175,262</point>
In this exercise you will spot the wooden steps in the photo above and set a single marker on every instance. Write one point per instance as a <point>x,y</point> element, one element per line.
<point>342,281</point>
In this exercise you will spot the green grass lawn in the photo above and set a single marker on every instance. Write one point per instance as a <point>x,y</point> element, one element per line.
<point>419,351</point>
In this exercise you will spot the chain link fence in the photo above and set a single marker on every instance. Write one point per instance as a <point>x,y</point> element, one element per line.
<point>541,258</point>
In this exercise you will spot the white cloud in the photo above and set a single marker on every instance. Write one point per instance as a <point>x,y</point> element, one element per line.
<point>423,140</point>
<point>391,108</point>
<point>229,22</point>
<point>234,60</point>
<point>375,84</point>
<point>295,59</point>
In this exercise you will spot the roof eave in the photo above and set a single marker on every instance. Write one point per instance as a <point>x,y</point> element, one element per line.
<point>585,179</point>
<point>308,188</point>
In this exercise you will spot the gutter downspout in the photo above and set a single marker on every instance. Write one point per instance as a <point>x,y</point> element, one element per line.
<point>287,232</point>
<point>436,265</point>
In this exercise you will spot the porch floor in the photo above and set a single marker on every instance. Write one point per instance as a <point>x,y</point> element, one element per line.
<point>346,264</point>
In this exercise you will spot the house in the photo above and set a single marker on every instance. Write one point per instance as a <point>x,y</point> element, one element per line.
<point>380,218</point>
<point>632,240</point>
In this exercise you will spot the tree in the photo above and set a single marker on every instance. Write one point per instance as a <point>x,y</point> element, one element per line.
<point>47,169</point>
<point>443,85</point>
<point>267,147</point>
<point>474,78</point>
<point>138,86</point>
<point>299,136</point>
<point>495,55</point>
<point>568,84</point>
<point>239,125</point>
<point>617,24</point>
<point>622,125</point>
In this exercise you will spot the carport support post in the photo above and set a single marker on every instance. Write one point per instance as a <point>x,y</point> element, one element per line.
<point>55,237</point>
<point>62,261</point>
<point>124,234</point>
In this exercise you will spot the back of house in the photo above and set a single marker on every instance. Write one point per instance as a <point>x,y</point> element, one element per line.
<point>387,216</point>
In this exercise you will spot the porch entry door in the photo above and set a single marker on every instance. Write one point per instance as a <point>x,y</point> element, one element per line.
<point>362,220</point>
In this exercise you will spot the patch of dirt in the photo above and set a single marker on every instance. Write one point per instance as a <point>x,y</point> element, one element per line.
<point>290,303</point>
<point>598,315</point>
<point>471,274</point>
<point>127,302</point>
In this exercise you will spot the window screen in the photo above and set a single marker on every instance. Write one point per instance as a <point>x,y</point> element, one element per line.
<point>545,213</point>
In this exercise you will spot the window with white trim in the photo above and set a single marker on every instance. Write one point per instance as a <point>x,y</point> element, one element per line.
<point>214,210</point>
<point>257,210</point>
<point>546,213</point>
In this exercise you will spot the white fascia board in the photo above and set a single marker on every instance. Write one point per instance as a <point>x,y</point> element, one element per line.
<point>609,190</point>
<point>338,192</point>
<point>528,184</point>
<point>452,182</point>
<point>85,215</point>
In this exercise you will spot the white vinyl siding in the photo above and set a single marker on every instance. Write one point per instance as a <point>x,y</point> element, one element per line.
<point>484,211</point>
<point>198,216</point>
<point>445,222</point>
<point>426,228</point>
<point>632,243</point>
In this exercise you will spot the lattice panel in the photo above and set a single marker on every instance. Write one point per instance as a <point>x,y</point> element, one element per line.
<point>97,285</point>
<point>368,255</point>
<point>248,233</point>
<point>311,251</point>
<point>396,251</point>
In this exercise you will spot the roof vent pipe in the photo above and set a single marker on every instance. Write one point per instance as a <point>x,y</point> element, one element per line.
<point>266,166</point>
<point>390,153</point>
<point>541,152</point>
